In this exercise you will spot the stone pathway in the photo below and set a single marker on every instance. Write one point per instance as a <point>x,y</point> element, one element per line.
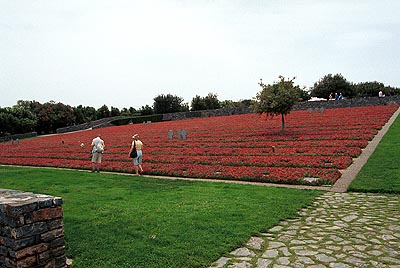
<point>338,230</point>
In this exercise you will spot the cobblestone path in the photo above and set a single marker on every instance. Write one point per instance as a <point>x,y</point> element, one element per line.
<point>337,230</point>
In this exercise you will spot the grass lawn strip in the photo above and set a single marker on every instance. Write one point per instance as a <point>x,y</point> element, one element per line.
<point>123,221</point>
<point>381,173</point>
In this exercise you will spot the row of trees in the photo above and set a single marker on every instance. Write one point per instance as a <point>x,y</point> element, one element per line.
<point>29,116</point>
<point>331,84</point>
<point>276,98</point>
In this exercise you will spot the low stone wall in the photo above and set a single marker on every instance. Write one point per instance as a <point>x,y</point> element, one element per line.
<point>355,102</point>
<point>18,136</point>
<point>306,105</point>
<point>31,231</point>
<point>104,122</point>
<point>207,113</point>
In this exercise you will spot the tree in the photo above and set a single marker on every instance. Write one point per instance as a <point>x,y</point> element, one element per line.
<point>305,95</point>
<point>198,104</point>
<point>229,104</point>
<point>25,116</point>
<point>210,102</point>
<point>89,113</point>
<point>392,90</point>
<point>371,89</point>
<point>46,118</point>
<point>103,112</point>
<point>23,109</point>
<point>168,104</point>
<point>146,110</point>
<point>133,110</point>
<point>115,111</point>
<point>277,99</point>
<point>8,123</point>
<point>125,112</point>
<point>332,84</point>
<point>233,104</point>
<point>64,116</point>
<point>79,116</point>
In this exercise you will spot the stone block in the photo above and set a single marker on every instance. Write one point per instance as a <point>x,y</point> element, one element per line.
<point>31,231</point>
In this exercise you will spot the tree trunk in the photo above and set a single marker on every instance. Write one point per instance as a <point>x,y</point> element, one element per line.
<point>283,123</point>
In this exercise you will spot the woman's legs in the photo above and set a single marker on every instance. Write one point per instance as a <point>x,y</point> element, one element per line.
<point>140,168</point>
<point>137,161</point>
<point>137,170</point>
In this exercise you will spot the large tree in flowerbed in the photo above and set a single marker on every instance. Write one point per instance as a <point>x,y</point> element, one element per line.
<point>237,147</point>
<point>277,99</point>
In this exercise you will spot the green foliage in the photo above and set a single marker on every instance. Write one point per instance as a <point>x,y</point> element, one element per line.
<point>198,104</point>
<point>146,110</point>
<point>229,104</point>
<point>84,114</point>
<point>304,95</point>
<point>277,99</point>
<point>53,115</point>
<point>381,173</point>
<point>233,104</point>
<point>121,221</point>
<point>129,112</point>
<point>115,111</point>
<point>168,104</point>
<point>368,89</point>
<point>332,84</point>
<point>8,123</point>
<point>209,102</point>
<point>371,89</point>
<point>24,109</point>
<point>391,91</point>
<point>20,118</point>
<point>103,112</point>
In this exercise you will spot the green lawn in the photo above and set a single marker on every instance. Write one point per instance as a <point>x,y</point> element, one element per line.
<point>125,221</point>
<point>381,173</point>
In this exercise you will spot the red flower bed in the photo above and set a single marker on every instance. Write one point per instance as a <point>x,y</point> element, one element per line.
<point>240,147</point>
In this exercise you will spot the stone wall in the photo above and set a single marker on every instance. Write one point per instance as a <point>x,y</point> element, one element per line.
<point>355,102</point>
<point>31,230</point>
<point>18,136</point>
<point>104,122</point>
<point>207,113</point>
<point>306,105</point>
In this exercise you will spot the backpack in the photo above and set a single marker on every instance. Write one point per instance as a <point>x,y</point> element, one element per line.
<point>99,148</point>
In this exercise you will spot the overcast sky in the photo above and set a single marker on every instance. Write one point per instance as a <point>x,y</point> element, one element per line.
<point>123,53</point>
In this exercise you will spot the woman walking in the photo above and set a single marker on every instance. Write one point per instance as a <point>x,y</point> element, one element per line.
<point>137,161</point>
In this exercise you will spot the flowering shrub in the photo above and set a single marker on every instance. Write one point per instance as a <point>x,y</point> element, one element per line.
<point>238,147</point>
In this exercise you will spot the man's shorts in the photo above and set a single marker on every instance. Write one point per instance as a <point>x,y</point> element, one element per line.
<point>96,157</point>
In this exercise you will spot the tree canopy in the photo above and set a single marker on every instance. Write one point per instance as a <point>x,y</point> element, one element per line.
<point>208,102</point>
<point>331,84</point>
<point>277,98</point>
<point>169,104</point>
